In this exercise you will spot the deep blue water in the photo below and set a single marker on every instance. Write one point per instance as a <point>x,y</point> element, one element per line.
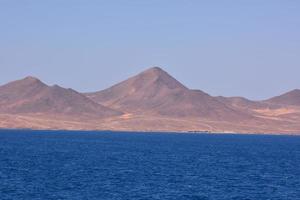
<point>104,165</point>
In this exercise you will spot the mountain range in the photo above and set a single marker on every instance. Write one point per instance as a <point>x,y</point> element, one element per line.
<point>150,101</point>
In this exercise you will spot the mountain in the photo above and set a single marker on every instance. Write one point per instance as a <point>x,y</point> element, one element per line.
<point>150,101</point>
<point>155,92</point>
<point>291,98</point>
<point>30,95</point>
<point>240,102</point>
<point>246,105</point>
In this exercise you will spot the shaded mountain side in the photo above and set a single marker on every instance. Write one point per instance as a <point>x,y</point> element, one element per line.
<point>30,95</point>
<point>155,92</point>
<point>291,98</point>
<point>149,85</point>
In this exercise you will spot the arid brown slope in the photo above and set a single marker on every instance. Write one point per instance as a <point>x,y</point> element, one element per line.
<point>155,92</point>
<point>291,98</point>
<point>284,108</point>
<point>150,101</point>
<point>31,96</point>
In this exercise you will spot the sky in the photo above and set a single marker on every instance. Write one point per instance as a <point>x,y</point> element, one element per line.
<point>247,48</point>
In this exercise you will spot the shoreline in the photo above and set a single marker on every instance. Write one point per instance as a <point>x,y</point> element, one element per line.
<point>153,132</point>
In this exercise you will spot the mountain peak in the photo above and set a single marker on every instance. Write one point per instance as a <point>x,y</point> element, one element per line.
<point>154,69</point>
<point>157,77</point>
<point>31,79</point>
<point>154,72</point>
<point>28,81</point>
<point>30,95</point>
<point>157,93</point>
<point>23,84</point>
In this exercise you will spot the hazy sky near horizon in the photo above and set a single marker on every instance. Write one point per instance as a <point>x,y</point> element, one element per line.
<point>245,48</point>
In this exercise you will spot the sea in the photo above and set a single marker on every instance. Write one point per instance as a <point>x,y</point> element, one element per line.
<point>88,165</point>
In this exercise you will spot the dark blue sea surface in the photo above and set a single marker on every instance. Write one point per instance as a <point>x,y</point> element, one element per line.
<point>105,165</point>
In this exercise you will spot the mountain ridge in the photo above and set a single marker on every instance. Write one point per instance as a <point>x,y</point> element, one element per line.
<point>155,91</point>
<point>30,95</point>
<point>152,100</point>
<point>289,98</point>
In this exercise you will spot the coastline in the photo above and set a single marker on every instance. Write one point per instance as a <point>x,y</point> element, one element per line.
<point>151,132</point>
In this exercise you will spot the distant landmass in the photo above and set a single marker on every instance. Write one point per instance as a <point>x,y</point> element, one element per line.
<point>150,101</point>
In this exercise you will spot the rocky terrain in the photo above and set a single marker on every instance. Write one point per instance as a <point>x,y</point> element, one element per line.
<point>150,101</point>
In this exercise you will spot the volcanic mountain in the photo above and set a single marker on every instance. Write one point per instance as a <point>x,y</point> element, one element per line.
<point>155,92</point>
<point>31,96</point>
<point>150,101</point>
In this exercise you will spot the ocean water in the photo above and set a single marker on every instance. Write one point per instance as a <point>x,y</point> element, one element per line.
<point>104,165</point>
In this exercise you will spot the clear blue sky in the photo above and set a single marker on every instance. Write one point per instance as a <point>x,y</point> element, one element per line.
<point>245,48</point>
